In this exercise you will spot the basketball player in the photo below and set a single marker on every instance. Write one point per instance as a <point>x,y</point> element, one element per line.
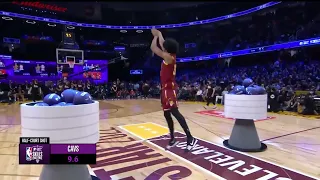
<point>168,87</point>
<point>38,68</point>
<point>1,64</point>
<point>16,67</point>
<point>43,68</point>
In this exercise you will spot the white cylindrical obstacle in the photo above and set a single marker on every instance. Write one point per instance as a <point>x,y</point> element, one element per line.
<point>245,109</point>
<point>245,106</point>
<point>62,124</point>
<point>77,124</point>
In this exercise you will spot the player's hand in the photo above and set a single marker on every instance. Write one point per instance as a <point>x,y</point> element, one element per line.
<point>155,32</point>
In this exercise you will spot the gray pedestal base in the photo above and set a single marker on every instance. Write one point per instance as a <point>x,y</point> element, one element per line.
<point>65,172</point>
<point>244,137</point>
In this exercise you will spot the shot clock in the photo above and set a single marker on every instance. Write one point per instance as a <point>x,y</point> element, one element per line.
<point>72,159</point>
<point>73,154</point>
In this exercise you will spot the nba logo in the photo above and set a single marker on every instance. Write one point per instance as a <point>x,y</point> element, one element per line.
<point>29,154</point>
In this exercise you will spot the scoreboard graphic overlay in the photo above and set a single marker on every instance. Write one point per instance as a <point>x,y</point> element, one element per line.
<point>38,150</point>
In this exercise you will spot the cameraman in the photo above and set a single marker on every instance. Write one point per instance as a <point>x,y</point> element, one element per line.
<point>145,90</point>
<point>273,100</point>
<point>309,105</point>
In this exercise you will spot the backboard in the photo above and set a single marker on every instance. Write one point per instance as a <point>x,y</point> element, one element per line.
<point>65,55</point>
<point>66,59</point>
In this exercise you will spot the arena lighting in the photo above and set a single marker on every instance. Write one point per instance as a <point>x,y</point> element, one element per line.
<point>168,26</point>
<point>5,57</point>
<point>52,25</point>
<point>70,27</point>
<point>139,31</point>
<point>30,22</point>
<point>123,31</point>
<point>7,18</point>
<point>288,45</point>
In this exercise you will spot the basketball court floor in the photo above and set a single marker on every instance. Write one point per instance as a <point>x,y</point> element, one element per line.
<point>134,134</point>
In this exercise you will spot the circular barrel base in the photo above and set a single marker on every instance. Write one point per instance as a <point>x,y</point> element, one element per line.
<point>65,172</point>
<point>244,137</point>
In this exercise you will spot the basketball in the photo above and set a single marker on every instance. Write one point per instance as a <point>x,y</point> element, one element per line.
<point>76,91</point>
<point>260,90</point>
<point>52,99</point>
<point>239,90</point>
<point>68,95</point>
<point>41,104</point>
<point>247,82</point>
<point>82,98</point>
<point>252,91</point>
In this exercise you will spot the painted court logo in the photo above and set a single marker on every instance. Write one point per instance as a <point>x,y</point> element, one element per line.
<point>34,153</point>
<point>229,164</point>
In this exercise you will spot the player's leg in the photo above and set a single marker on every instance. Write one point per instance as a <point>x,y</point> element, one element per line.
<point>173,142</point>
<point>167,116</point>
<point>191,141</point>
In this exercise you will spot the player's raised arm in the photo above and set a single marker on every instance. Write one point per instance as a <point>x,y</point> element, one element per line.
<point>161,40</point>
<point>166,56</point>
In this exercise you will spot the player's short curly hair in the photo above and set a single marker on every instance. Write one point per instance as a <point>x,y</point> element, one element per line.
<point>171,46</point>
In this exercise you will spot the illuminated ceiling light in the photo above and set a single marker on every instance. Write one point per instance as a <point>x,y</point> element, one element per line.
<point>52,25</point>
<point>123,31</point>
<point>7,18</point>
<point>70,27</point>
<point>30,22</point>
<point>139,31</point>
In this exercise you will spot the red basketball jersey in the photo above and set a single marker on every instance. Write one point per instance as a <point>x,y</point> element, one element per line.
<point>168,74</point>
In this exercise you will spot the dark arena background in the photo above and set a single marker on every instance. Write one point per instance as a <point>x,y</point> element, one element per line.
<point>105,49</point>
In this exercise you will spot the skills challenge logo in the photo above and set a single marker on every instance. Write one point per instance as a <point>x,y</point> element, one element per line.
<point>34,153</point>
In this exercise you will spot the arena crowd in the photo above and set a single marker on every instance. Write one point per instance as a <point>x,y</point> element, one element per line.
<point>280,79</point>
<point>283,78</point>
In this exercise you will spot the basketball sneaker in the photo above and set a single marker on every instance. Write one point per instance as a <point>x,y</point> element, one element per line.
<point>191,144</point>
<point>172,143</point>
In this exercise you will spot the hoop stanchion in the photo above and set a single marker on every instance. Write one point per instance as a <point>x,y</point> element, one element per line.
<point>245,108</point>
<point>78,124</point>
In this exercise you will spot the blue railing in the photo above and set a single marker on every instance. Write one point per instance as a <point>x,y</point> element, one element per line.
<point>168,26</point>
<point>262,49</point>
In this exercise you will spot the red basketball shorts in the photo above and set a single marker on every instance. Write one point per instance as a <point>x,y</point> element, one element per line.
<point>168,99</point>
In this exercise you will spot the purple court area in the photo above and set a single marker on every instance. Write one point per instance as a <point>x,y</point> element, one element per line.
<point>226,163</point>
